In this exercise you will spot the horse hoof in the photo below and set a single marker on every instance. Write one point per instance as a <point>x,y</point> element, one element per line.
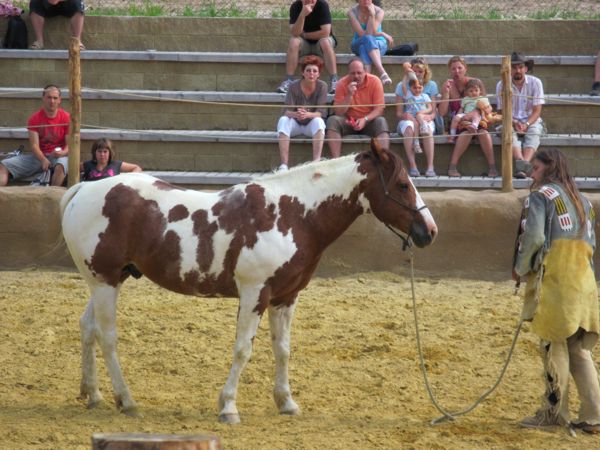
<point>229,418</point>
<point>132,412</point>
<point>93,405</point>
<point>291,412</point>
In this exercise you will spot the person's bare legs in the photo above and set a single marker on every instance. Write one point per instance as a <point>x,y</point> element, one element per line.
<point>77,25</point>
<point>284,148</point>
<point>4,175</point>
<point>462,143</point>
<point>428,150</point>
<point>335,143</point>
<point>291,59</point>
<point>58,177</point>
<point>317,145</point>
<point>408,147</point>
<point>487,147</point>
<point>328,56</point>
<point>375,55</point>
<point>37,22</point>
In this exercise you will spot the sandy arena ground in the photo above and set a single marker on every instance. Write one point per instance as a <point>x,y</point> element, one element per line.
<point>354,369</point>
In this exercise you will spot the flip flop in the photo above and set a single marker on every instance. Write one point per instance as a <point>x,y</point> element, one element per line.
<point>36,45</point>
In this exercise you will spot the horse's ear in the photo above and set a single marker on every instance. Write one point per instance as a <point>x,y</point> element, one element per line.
<point>379,152</point>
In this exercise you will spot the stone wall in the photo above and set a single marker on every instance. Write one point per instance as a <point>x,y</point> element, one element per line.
<point>476,236</point>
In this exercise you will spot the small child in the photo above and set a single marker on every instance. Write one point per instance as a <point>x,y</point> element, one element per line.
<point>418,108</point>
<point>469,111</point>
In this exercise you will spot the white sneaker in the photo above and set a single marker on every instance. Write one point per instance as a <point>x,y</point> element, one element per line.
<point>283,168</point>
<point>284,86</point>
<point>417,146</point>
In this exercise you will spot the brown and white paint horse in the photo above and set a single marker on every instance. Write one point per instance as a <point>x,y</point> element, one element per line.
<point>260,241</point>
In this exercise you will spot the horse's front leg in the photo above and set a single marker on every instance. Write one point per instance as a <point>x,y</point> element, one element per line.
<point>89,382</point>
<point>104,300</point>
<point>280,321</point>
<point>247,324</point>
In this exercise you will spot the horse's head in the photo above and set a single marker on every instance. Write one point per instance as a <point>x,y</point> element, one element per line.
<point>392,196</point>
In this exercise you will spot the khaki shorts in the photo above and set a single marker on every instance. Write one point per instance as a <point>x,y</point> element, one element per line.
<point>374,127</point>
<point>308,48</point>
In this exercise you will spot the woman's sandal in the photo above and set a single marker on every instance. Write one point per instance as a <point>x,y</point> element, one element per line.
<point>452,172</point>
<point>36,45</point>
<point>385,79</point>
<point>492,172</point>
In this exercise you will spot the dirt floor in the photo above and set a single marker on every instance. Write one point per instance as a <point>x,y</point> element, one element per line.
<point>354,369</point>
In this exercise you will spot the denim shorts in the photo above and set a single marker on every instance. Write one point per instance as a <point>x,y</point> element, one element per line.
<point>27,165</point>
<point>67,9</point>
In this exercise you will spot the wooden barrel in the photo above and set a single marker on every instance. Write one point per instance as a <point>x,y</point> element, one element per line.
<point>144,441</point>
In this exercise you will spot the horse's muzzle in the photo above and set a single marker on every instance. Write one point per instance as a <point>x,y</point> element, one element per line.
<point>422,234</point>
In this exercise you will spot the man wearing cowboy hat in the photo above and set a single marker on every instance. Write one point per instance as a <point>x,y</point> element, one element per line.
<point>527,101</point>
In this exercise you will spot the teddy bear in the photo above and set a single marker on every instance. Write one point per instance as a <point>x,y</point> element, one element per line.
<point>487,114</point>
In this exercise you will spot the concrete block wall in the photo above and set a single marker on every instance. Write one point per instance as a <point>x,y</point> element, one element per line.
<point>138,114</point>
<point>256,77</point>
<point>556,37</point>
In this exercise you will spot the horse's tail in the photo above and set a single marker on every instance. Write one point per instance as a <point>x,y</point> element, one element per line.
<point>67,197</point>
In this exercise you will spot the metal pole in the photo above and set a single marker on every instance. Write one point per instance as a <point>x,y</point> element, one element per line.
<point>507,160</point>
<point>75,95</point>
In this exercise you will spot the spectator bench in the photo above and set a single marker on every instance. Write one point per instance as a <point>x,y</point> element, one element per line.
<point>225,178</point>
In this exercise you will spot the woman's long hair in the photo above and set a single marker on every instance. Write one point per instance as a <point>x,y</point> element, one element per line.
<point>420,63</point>
<point>557,171</point>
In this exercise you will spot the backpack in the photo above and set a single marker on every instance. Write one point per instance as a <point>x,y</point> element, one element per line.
<point>16,33</point>
<point>408,49</point>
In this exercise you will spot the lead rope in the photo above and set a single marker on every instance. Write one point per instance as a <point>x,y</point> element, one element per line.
<point>447,415</point>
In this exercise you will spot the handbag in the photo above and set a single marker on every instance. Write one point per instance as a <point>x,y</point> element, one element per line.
<point>408,49</point>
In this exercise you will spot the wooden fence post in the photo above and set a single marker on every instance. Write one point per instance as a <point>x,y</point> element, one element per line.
<point>507,159</point>
<point>75,95</point>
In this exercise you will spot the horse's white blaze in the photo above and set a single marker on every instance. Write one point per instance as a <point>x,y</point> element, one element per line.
<point>271,251</point>
<point>425,213</point>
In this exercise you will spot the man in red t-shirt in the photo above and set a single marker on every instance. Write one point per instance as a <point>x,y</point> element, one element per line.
<point>358,105</point>
<point>48,129</point>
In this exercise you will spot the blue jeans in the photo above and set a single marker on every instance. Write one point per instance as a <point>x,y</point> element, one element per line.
<point>364,44</point>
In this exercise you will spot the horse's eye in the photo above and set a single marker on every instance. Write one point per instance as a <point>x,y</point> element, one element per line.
<point>403,187</point>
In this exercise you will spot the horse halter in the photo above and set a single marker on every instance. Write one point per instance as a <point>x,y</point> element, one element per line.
<point>406,241</point>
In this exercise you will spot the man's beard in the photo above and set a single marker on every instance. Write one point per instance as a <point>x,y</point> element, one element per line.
<point>517,77</point>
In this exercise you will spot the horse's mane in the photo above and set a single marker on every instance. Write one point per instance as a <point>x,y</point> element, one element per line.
<point>398,165</point>
<point>324,165</point>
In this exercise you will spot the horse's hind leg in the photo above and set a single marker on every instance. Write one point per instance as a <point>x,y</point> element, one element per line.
<point>89,382</point>
<point>247,324</point>
<point>280,321</point>
<point>104,302</point>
